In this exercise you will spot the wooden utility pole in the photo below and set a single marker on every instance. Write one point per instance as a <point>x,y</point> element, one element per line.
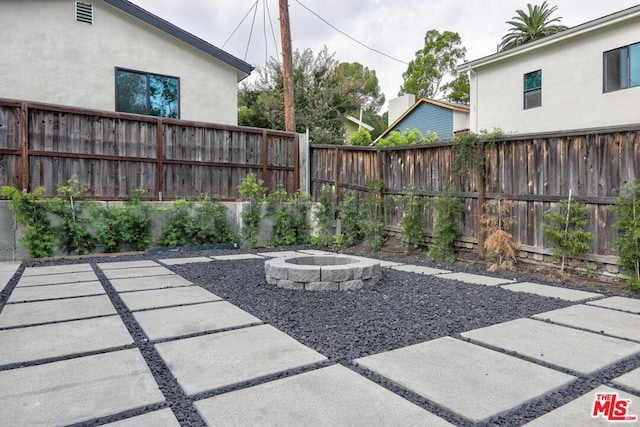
<point>287,67</point>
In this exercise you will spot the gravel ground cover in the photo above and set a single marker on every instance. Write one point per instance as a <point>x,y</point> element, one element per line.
<point>401,310</point>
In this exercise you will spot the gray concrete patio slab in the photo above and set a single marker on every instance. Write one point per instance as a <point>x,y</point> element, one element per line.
<point>332,396</point>
<point>159,298</point>
<point>419,269</point>
<point>315,252</point>
<point>467,379</point>
<point>180,261</point>
<point>57,278</point>
<point>7,270</point>
<point>127,264</point>
<point>580,351</point>
<point>57,269</point>
<point>476,279</point>
<point>149,282</point>
<point>124,273</point>
<point>235,257</point>
<point>630,380</point>
<point>161,418</point>
<point>388,264</point>
<point>62,339</point>
<point>631,305</point>
<point>68,290</point>
<point>596,319</point>
<point>76,390</point>
<point>551,291</point>
<point>578,412</point>
<point>209,362</point>
<point>179,321</point>
<point>55,311</point>
<point>280,254</point>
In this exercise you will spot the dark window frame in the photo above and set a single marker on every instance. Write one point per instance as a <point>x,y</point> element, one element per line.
<point>147,110</point>
<point>528,91</point>
<point>624,71</point>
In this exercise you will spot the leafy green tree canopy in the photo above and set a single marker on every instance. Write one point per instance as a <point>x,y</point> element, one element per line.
<point>433,65</point>
<point>531,25</point>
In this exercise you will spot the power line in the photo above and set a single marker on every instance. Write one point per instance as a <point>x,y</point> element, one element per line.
<point>347,35</point>
<point>264,29</point>
<point>251,31</point>
<point>236,29</point>
<point>275,42</point>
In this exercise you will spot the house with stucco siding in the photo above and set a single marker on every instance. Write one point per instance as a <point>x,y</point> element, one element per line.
<point>587,76</point>
<point>115,56</point>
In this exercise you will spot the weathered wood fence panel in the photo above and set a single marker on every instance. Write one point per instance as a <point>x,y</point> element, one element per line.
<point>534,172</point>
<point>113,154</point>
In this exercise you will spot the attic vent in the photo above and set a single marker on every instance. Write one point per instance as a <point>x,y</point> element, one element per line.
<point>84,12</point>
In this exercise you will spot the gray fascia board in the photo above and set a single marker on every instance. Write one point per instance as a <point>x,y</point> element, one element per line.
<point>159,23</point>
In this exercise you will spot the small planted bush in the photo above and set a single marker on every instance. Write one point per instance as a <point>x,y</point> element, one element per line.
<point>73,233</point>
<point>324,214</point>
<point>564,227</point>
<point>372,216</point>
<point>252,190</point>
<point>413,219</point>
<point>448,207</point>
<point>627,208</point>
<point>348,212</point>
<point>499,245</point>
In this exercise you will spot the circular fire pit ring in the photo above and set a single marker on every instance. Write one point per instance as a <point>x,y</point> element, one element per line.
<point>322,272</point>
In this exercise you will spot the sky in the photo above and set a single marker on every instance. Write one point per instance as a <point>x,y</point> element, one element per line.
<point>393,27</point>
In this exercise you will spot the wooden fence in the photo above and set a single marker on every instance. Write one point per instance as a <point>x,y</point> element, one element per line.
<point>532,171</point>
<point>113,153</point>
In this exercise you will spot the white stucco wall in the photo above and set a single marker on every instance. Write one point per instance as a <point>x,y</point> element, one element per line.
<point>460,121</point>
<point>572,87</point>
<point>49,57</point>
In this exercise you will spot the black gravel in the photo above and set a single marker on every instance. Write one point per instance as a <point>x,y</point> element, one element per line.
<point>401,310</point>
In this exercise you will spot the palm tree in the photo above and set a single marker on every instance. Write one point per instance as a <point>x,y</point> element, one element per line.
<point>531,25</point>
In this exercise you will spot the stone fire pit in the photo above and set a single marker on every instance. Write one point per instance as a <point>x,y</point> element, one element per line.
<point>322,272</point>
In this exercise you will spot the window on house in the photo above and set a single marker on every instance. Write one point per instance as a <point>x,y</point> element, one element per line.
<point>533,89</point>
<point>148,94</point>
<point>622,68</point>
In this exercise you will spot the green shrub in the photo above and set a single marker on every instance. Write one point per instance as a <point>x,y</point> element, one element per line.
<point>361,137</point>
<point>348,212</point>
<point>126,227</point>
<point>627,208</point>
<point>283,232</point>
<point>448,207</point>
<point>325,215</point>
<point>372,216</point>
<point>32,210</point>
<point>252,190</point>
<point>180,227</point>
<point>73,233</point>
<point>413,219</point>
<point>408,137</point>
<point>564,227</point>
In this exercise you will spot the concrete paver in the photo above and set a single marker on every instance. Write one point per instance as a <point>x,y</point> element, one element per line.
<point>67,290</point>
<point>149,282</point>
<point>388,264</point>
<point>161,418</point>
<point>209,362</point>
<point>126,264</point>
<point>419,269</point>
<point>76,390</point>
<point>630,380</point>
<point>281,254</point>
<point>123,273</point>
<point>597,319</point>
<point>631,305</point>
<point>236,257</point>
<point>467,379</point>
<point>57,278</point>
<point>57,269</point>
<point>7,270</point>
<point>331,396</point>
<point>167,297</point>
<point>55,310</point>
<point>315,252</point>
<point>578,412</point>
<point>551,291</point>
<point>180,261</point>
<point>476,279</point>
<point>580,351</point>
<point>179,321</point>
<point>62,339</point>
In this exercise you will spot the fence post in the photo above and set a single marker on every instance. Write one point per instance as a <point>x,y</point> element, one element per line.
<point>265,147</point>
<point>296,163</point>
<point>159,158</point>
<point>24,144</point>
<point>336,175</point>
<point>480,183</point>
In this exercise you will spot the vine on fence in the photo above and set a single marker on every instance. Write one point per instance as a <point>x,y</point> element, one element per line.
<point>413,219</point>
<point>627,208</point>
<point>448,207</point>
<point>372,216</point>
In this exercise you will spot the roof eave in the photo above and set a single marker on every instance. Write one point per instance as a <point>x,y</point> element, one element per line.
<point>244,68</point>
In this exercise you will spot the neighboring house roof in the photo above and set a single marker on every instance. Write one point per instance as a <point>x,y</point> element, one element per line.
<point>359,123</point>
<point>448,105</point>
<point>244,69</point>
<point>562,36</point>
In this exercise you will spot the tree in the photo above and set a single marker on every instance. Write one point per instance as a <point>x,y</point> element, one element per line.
<point>458,90</point>
<point>325,91</point>
<point>433,64</point>
<point>531,25</point>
